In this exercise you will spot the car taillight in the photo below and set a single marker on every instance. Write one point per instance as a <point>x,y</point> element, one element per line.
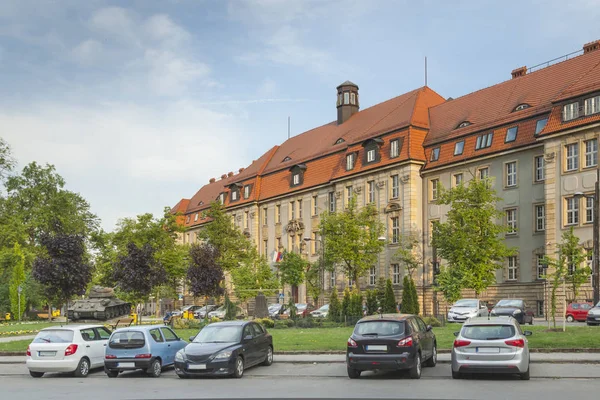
<point>28,352</point>
<point>143,356</point>
<point>70,350</point>
<point>352,343</point>
<point>461,343</point>
<point>515,342</point>
<point>110,357</point>
<point>406,342</point>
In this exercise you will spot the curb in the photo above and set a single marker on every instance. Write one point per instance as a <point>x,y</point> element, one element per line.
<point>440,351</point>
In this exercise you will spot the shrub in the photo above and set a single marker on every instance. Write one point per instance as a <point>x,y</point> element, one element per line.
<point>346,303</point>
<point>415,297</point>
<point>380,292</point>
<point>407,299</point>
<point>334,306</point>
<point>290,323</point>
<point>280,325</point>
<point>305,323</point>
<point>372,302</point>
<point>433,321</point>
<point>266,322</point>
<point>389,300</point>
<point>356,304</point>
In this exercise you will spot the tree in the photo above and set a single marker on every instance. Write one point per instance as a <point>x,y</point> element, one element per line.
<point>407,298</point>
<point>63,269</point>
<point>291,269</point>
<point>410,252</point>
<point>204,275</point>
<point>352,239</point>
<point>380,291</point>
<point>138,273</point>
<point>313,282</point>
<point>252,277</point>
<point>17,280</point>
<point>346,303</point>
<point>230,308</point>
<point>335,308</point>
<point>565,267</point>
<point>449,283</point>
<point>389,299</point>
<point>470,239</point>
<point>371,302</point>
<point>7,162</point>
<point>415,297</point>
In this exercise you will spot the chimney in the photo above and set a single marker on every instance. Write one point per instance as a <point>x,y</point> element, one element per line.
<point>240,170</point>
<point>522,71</point>
<point>591,46</point>
<point>230,174</point>
<point>212,180</point>
<point>347,101</point>
<point>223,176</point>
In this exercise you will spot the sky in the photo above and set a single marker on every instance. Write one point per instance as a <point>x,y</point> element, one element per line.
<point>139,103</point>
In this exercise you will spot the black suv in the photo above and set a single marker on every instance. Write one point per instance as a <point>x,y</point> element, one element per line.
<point>391,342</point>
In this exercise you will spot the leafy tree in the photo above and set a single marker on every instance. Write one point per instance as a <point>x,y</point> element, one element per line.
<point>313,282</point>
<point>230,308</point>
<point>372,302</point>
<point>138,273</point>
<point>7,162</point>
<point>291,269</point>
<point>18,279</point>
<point>253,277</point>
<point>346,303</point>
<point>64,269</point>
<point>415,297</point>
<point>569,258</point>
<point>352,238</point>
<point>204,275</point>
<point>380,291</point>
<point>389,299</point>
<point>407,298</point>
<point>470,239</point>
<point>410,252</point>
<point>356,304</point>
<point>293,309</point>
<point>449,283</point>
<point>335,308</point>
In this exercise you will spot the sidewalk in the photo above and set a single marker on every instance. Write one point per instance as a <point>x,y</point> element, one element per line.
<point>537,358</point>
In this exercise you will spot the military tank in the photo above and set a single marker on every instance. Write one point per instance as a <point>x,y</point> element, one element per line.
<point>101,304</point>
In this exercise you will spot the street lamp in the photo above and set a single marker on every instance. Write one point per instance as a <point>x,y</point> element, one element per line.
<point>596,256</point>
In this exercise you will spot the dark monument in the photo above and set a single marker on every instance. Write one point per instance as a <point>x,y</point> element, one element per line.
<point>261,310</point>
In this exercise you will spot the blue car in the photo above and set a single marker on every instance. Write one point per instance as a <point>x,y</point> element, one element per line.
<point>149,348</point>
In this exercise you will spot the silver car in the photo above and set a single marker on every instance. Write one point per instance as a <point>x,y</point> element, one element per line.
<point>464,309</point>
<point>491,345</point>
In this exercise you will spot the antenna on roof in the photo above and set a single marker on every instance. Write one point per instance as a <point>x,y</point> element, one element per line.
<point>425,70</point>
<point>289,130</point>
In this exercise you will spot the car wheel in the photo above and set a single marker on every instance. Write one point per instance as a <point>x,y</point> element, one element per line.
<point>269,358</point>
<point>155,369</point>
<point>570,318</point>
<point>36,374</point>
<point>433,360</point>
<point>353,373</point>
<point>525,375</point>
<point>415,371</point>
<point>83,368</point>
<point>456,375</point>
<point>238,371</point>
<point>111,373</point>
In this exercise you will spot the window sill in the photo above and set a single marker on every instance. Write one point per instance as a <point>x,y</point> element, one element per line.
<point>511,281</point>
<point>511,235</point>
<point>539,182</point>
<point>511,187</point>
<point>587,167</point>
<point>571,172</point>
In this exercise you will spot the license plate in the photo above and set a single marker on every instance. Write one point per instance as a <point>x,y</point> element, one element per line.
<point>488,350</point>
<point>197,366</point>
<point>127,365</point>
<point>47,353</point>
<point>374,347</point>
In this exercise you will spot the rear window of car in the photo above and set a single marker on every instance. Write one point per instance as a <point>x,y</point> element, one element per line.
<point>487,332</point>
<point>380,328</point>
<point>54,336</point>
<point>127,340</point>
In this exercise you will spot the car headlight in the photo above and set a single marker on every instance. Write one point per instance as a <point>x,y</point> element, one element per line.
<point>222,355</point>
<point>180,356</point>
<point>493,312</point>
<point>592,312</point>
<point>516,312</point>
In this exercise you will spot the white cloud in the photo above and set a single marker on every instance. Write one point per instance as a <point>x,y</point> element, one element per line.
<point>88,52</point>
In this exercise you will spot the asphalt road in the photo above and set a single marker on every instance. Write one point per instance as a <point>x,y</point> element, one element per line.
<point>549,381</point>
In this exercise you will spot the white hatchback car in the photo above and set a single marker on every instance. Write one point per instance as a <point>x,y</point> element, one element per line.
<point>75,349</point>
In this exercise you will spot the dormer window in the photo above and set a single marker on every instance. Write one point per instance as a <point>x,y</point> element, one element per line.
<point>370,155</point>
<point>235,191</point>
<point>297,177</point>
<point>511,134</point>
<point>187,220</point>
<point>522,107</point>
<point>346,98</point>
<point>570,111</point>
<point>352,98</point>
<point>222,198</point>
<point>394,148</point>
<point>286,159</point>
<point>196,217</point>
<point>350,161</point>
<point>592,105</point>
<point>340,140</point>
<point>247,191</point>
<point>234,195</point>
<point>372,150</point>
<point>463,124</point>
<point>435,154</point>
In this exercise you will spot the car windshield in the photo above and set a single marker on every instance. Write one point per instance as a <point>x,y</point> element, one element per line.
<point>466,303</point>
<point>127,340</point>
<point>54,336</point>
<point>300,306</point>
<point>324,308</point>
<point>509,303</point>
<point>598,305</point>
<point>219,334</point>
<point>380,328</point>
<point>487,332</point>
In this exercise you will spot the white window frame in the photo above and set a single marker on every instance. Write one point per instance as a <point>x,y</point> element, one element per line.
<point>234,195</point>
<point>484,173</point>
<point>539,166</point>
<point>592,105</point>
<point>246,191</point>
<point>371,155</point>
<point>296,178</point>
<point>352,98</point>
<point>433,186</point>
<point>570,111</point>
<point>395,224</point>
<point>332,279</point>
<point>349,195</point>
<point>512,268</point>
<point>591,153</point>
<point>346,97</point>
<point>571,211</point>
<point>371,191</point>
<point>396,274</point>
<point>349,162</point>
<point>331,199</point>
<point>511,174</point>
<point>395,186</point>
<point>394,148</point>
<point>278,214</point>
<point>589,210</point>
<point>572,157</point>
<point>300,209</point>
<point>458,178</point>
<point>265,216</point>
<point>196,217</point>
<point>315,205</point>
<point>372,275</point>
<point>539,265</point>
<point>540,217</point>
<point>514,129</point>
<point>511,221</point>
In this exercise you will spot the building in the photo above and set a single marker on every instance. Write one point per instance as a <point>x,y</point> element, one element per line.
<point>535,134</point>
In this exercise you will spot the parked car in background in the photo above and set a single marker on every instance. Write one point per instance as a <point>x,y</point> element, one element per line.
<point>302,310</point>
<point>201,312</point>
<point>577,311</point>
<point>515,308</point>
<point>276,310</point>
<point>221,311</point>
<point>391,342</point>
<point>149,348</point>
<point>225,348</point>
<point>593,316</point>
<point>496,345</point>
<point>464,309</point>
<point>321,312</point>
<point>76,349</point>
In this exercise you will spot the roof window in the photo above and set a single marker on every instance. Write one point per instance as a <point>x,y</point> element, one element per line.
<point>288,158</point>
<point>522,107</point>
<point>340,140</point>
<point>511,134</point>
<point>463,124</point>
<point>435,154</point>
<point>540,125</point>
<point>484,141</point>
<point>459,147</point>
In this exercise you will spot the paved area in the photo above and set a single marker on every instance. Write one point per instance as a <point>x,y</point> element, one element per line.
<point>287,380</point>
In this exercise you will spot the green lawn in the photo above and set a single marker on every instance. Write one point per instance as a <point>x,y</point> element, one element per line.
<point>26,327</point>
<point>18,345</point>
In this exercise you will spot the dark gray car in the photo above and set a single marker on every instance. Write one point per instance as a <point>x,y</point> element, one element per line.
<point>515,308</point>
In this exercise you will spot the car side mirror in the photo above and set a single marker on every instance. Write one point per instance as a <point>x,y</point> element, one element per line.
<point>527,333</point>
<point>247,338</point>
<point>429,328</point>
<point>456,333</point>
<point>192,338</point>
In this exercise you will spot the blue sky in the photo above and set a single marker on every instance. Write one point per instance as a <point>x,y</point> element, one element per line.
<point>139,103</point>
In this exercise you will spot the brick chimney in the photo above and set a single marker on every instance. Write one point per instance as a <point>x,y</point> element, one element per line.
<point>347,101</point>
<point>241,169</point>
<point>522,71</point>
<point>230,174</point>
<point>591,46</point>
<point>212,180</point>
<point>223,176</point>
